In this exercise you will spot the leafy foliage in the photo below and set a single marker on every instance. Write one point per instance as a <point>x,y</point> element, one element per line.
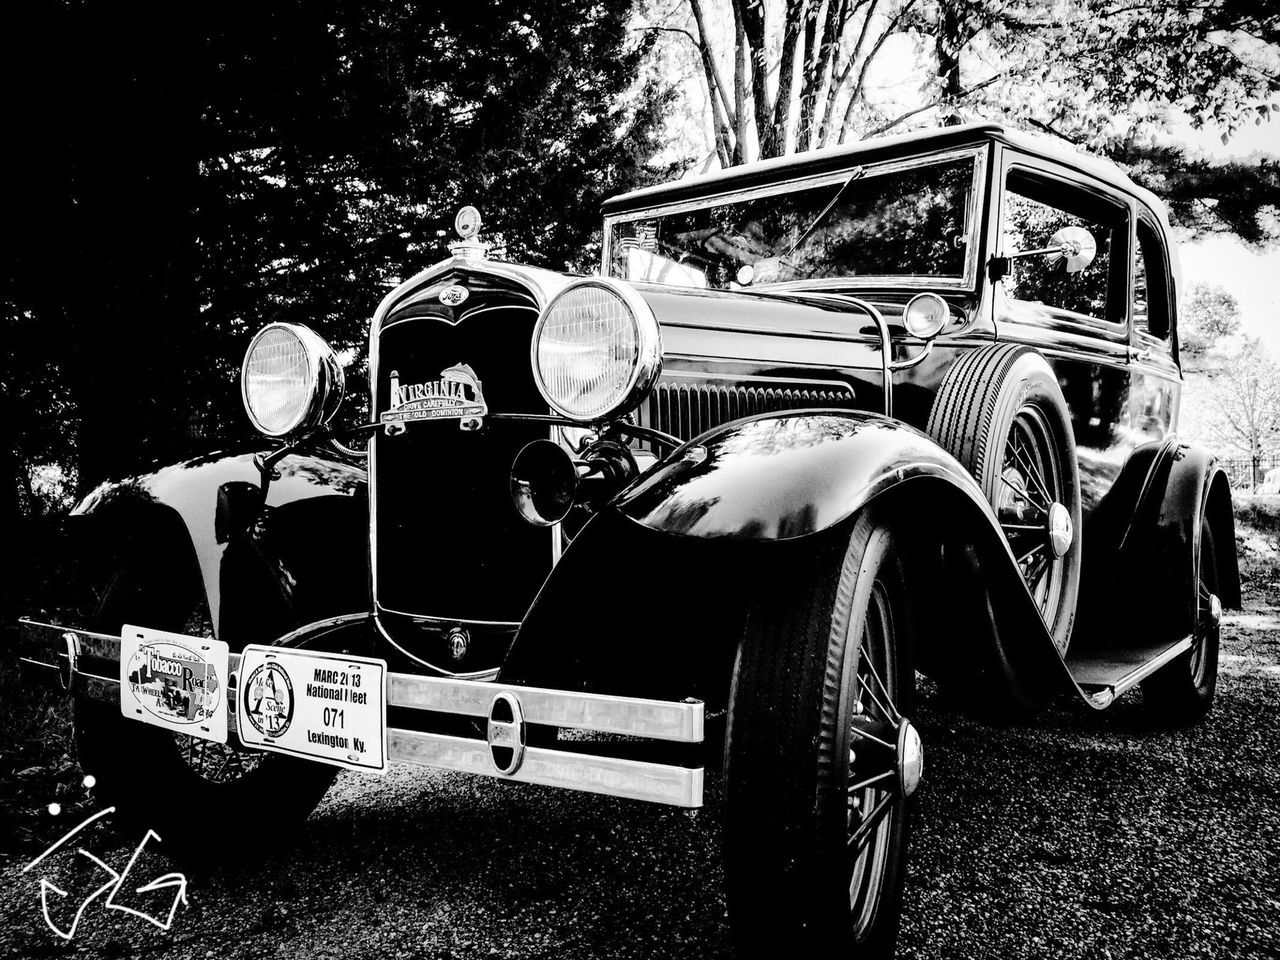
<point>185,179</point>
<point>1209,315</point>
<point>1107,76</point>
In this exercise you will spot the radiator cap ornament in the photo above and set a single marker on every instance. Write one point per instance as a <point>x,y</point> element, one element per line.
<point>467,222</point>
<point>470,246</point>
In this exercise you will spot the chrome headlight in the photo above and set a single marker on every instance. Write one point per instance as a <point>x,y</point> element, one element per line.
<point>596,350</point>
<point>290,381</point>
<point>925,315</point>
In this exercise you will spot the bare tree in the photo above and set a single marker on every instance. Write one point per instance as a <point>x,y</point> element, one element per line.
<point>793,75</point>
<point>1245,399</point>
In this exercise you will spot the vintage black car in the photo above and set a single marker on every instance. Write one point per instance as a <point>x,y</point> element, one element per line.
<point>818,423</point>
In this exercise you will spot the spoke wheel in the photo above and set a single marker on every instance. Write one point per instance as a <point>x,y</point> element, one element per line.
<point>204,799</point>
<point>820,758</point>
<point>1000,412</point>
<point>1029,505</point>
<point>872,781</point>
<point>216,762</point>
<point>1183,691</point>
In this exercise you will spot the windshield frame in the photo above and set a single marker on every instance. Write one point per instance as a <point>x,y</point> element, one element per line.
<point>864,171</point>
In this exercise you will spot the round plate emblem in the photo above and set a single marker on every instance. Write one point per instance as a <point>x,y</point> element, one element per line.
<point>459,640</point>
<point>269,700</point>
<point>453,295</point>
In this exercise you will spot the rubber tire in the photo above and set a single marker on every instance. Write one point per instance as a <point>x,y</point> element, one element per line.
<point>784,797</point>
<point>138,768</point>
<point>1171,696</point>
<point>971,419</point>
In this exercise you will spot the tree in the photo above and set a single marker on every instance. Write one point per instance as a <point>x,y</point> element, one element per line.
<point>173,187</point>
<point>783,75</point>
<point>282,161</point>
<point>1210,315</point>
<point>1245,398</point>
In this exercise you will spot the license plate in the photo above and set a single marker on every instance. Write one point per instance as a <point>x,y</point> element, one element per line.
<point>174,681</point>
<point>322,706</point>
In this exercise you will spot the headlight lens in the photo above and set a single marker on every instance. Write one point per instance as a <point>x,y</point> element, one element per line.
<point>926,315</point>
<point>596,350</point>
<point>290,380</point>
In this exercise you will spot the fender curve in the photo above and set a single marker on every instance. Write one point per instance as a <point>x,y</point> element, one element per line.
<point>1185,485</point>
<point>701,531</point>
<point>267,567</point>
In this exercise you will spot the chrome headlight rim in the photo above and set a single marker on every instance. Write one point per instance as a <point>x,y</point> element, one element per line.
<point>943,306</point>
<point>324,374</point>
<point>648,363</point>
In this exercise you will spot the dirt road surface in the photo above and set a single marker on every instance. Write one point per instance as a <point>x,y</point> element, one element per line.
<point>1082,836</point>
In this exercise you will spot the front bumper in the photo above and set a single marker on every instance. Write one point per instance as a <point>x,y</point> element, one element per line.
<point>87,664</point>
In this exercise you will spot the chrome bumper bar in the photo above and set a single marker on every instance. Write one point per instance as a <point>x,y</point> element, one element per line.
<point>60,653</point>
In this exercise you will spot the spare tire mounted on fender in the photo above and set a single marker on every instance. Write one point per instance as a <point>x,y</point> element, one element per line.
<point>1001,413</point>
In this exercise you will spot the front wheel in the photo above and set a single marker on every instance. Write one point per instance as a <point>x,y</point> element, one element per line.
<point>820,758</point>
<point>206,801</point>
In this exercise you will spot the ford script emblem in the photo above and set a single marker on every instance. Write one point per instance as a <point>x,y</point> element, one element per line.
<point>506,733</point>
<point>453,295</point>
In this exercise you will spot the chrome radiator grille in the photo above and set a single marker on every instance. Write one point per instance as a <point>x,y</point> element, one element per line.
<point>687,408</point>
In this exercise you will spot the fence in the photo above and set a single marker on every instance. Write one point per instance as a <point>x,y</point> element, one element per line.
<point>1245,473</point>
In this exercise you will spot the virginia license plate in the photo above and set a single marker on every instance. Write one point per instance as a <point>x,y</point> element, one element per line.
<point>174,681</point>
<point>322,706</point>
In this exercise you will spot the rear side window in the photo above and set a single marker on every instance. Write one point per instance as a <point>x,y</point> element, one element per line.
<point>1034,210</point>
<point>1150,284</point>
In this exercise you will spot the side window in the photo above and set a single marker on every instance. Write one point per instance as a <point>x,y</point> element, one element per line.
<point>1034,210</point>
<point>1150,284</point>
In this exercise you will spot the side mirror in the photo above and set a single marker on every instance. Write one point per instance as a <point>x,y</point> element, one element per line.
<point>1076,246</point>
<point>1073,245</point>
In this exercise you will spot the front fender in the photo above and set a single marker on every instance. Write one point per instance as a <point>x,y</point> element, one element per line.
<point>650,599</point>
<point>267,566</point>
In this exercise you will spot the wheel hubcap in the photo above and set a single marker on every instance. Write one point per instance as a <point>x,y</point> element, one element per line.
<point>1060,531</point>
<point>910,758</point>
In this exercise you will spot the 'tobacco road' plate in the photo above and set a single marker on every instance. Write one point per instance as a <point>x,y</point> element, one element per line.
<point>323,706</point>
<point>173,681</point>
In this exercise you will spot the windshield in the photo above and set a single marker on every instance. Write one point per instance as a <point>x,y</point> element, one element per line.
<point>899,223</point>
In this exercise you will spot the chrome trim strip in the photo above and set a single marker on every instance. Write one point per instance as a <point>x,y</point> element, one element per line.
<point>1138,674</point>
<point>751,378</point>
<point>637,780</point>
<point>972,214</point>
<point>680,722</point>
<point>321,626</point>
<point>675,721</point>
<point>634,779</point>
<point>477,675</point>
<point>450,621</point>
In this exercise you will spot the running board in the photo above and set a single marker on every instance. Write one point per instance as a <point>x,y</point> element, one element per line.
<point>1103,676</point>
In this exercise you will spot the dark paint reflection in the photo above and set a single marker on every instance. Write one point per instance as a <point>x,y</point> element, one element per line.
<point>775,478</point>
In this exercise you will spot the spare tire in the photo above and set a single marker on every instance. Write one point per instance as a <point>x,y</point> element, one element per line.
<point>1001,413</point>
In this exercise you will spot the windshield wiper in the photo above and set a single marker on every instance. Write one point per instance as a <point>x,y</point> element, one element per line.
<point>855,175</point>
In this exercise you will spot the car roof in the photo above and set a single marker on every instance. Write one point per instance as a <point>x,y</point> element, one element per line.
<point>827,159</point>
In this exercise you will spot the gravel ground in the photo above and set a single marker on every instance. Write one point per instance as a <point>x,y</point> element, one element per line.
<point>1083,836</point>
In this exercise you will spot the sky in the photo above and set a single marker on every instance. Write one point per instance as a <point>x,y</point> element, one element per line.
<point>1253,277</point>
